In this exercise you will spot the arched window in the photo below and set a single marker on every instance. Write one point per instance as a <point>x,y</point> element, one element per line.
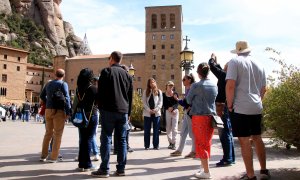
<point>154,21</point>
<point>172,21</point>
<point>163,20</point>
<point>153,66</point>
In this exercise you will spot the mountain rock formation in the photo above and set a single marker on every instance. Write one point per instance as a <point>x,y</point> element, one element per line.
<point>60,38</point>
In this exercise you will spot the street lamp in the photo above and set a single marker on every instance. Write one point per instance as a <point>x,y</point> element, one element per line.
<point>186,57</point>
<point>131,70</point>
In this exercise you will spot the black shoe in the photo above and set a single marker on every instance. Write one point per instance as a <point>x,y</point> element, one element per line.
<point>173,147</point>
<point>100,174</point>
<point>156,148</point>
<point>223,163</point>
<point>265,174</point>
<point>245,177</point>
<point>146,148</point>
<point>119,173</point>
<point>170,146</point>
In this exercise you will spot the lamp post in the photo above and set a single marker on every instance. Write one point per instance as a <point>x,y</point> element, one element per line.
<point>186,57</point>
<point>131,70</point>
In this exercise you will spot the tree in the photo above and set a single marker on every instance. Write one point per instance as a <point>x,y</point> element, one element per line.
<point>281,103</point>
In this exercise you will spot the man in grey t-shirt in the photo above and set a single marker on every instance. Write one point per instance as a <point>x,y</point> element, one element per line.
<point>245,88</point>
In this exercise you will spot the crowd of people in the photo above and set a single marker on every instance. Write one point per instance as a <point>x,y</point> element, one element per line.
<point>22,112</point>
<point>107,99</point>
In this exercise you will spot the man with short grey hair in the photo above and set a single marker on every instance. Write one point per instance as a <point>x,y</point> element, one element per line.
<point>245,89</point>
<point>54,118</point>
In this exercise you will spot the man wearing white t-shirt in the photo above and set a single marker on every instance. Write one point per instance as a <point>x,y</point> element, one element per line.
<point>245,88</point>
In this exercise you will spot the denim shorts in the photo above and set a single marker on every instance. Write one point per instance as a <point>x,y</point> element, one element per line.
<point>245,125</point>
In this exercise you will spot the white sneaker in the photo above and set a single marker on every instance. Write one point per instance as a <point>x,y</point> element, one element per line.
<point>202,175</point>
<point>76,158</point>
<point>96,158</point>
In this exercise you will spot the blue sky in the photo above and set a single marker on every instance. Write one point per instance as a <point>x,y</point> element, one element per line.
<point>212,26</point>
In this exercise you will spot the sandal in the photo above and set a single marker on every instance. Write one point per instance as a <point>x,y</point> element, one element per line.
<point>190,155</point>
<point>176,153</point>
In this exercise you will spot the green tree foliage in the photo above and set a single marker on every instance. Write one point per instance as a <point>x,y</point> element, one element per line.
<point>282,105</point>
<point>28,32</point>
<point>136,116</point>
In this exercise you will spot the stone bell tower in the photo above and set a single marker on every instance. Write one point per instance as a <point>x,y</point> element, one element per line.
<point>163,45</point>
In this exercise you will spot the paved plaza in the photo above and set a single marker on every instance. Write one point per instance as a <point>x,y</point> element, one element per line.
<point>20,148</point>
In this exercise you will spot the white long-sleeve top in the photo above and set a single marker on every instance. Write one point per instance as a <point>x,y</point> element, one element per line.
<point>158,102</point>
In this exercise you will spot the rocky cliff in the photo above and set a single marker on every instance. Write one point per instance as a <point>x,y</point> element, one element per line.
<point>58,38</point>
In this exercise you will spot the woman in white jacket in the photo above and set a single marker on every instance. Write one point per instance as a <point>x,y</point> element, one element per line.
<point>152,101</point>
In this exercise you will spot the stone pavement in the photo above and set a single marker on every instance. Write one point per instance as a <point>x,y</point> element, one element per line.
<point>20,148</point>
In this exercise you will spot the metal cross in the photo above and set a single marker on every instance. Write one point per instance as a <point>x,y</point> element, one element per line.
<point>186,40</point>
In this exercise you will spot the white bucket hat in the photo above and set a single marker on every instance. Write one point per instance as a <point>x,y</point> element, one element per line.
<point>241,47</point>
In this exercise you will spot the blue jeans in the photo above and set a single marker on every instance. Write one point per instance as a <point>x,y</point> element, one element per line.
<point>26,116</point>
<point>225,135</point>
<point>111,121</point>
<point>95,149</point>
<point>147,130</point>
<point>85,143</point>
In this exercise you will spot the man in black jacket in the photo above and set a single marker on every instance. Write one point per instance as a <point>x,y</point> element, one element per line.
<point>114,101</point>
<point>225,134</point>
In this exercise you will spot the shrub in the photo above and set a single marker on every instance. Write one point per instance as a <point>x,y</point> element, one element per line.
<point>136,116</point>
<point>282,105</point>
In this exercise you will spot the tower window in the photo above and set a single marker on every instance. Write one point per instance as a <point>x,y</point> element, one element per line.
<point>4,66</point>
<point>18,68</point>
<point>163,56</point>
<point>172,46</point>
<point>19,59</point>
<point>172,66</point>
<point>172,36</point>
<point>163,37</point>
<point>153,37</point>
<point>153,66</point>
<point>172,76</point>
<point>154,21</point>
<point>163,46</point>
<point>5,56</point>
<point>154,57</point>
<point>153,46</point>
<point>4,77</point>
<point>172,21</point>
<point>163,20</point>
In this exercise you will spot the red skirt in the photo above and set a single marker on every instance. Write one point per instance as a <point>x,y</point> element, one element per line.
<point>203,133</point>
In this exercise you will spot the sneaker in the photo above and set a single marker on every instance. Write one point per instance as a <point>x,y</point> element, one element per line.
<point>93,168</point>
<point>96,158</point>
<point>175,153</point>
<point>60,158</point>
<point>265,174</point>
<point>100,174</point>
<point>223,163</point>
<point>119,173</point>
<point>173,147</point>
<point>245,177</point>
<point>156,148</point>
<point>129,149</point>
<point>51,161</point>
<point>146,148</point>
<point>202,175</point>
<point>190,155</point>
<point>170,146</point>
<point>43,159</point>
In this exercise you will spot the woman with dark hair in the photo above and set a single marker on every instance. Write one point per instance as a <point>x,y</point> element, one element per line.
<point>186,127</point>
<point>152,101</point>
<point>86,95</point>
<point>201,97</point>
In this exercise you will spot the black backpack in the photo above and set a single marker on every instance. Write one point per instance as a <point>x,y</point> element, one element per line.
<point>58,98</point>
